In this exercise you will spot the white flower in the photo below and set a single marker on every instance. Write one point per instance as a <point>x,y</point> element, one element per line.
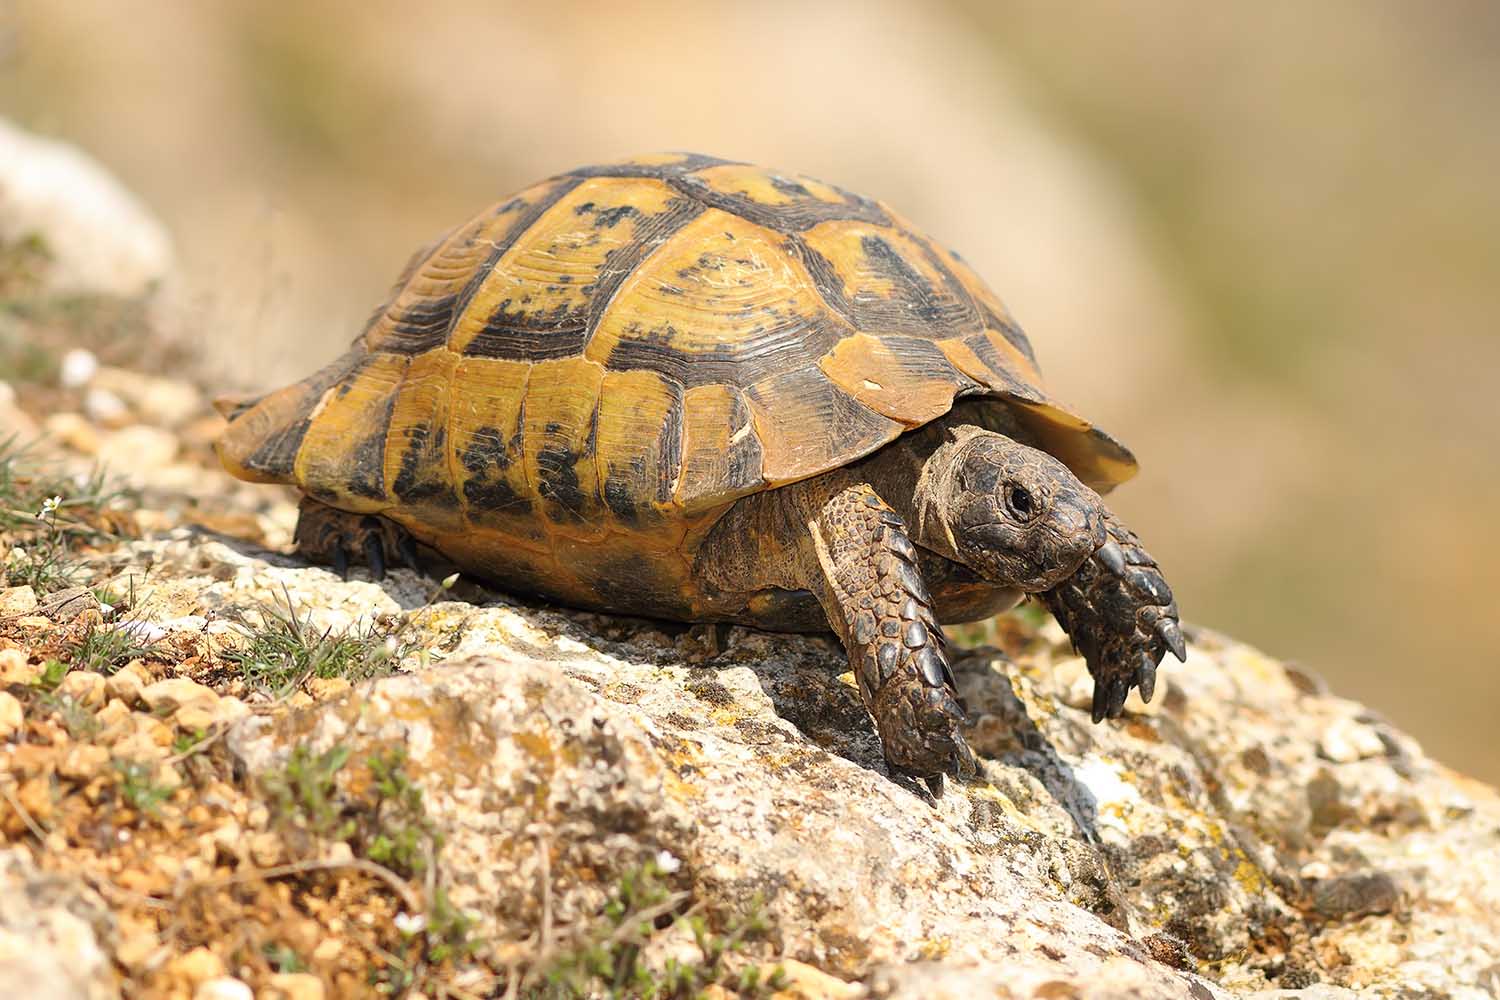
<point>49,506</point>
<point>409,924</point>
<point>667,862</point>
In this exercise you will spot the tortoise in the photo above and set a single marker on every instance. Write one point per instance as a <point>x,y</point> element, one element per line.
<point>694,389</point>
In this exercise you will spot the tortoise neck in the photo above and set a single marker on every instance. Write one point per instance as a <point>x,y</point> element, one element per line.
<point>914,475</point>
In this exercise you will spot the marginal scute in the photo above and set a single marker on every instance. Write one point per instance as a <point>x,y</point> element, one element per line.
<point>722,454</point>
<point>342,456</point>
<point>486,436</point>
<point>638,446</point>
<point>417,466</point>
<point>559,426</point>
<point>980,361</point>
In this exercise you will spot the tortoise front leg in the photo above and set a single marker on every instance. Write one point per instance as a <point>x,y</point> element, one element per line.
<point>1120,614</point>
<point>877,603</point>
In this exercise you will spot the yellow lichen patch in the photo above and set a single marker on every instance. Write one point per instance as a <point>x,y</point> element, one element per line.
<point>637,446</point>
<point>562,399</point>
<point>721,454</point>
<point>484,434</point>
<point>544,283</point>
<point>910,387</point>
<point>419,470</point>
<point>722,292</point>
<point>767,187</point>
<point>342,457</point>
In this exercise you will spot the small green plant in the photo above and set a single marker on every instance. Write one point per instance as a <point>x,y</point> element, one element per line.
<point>81,723</point>
<point>282,957</point>
<point>283,651</point>
<point>138,786</point>
<point>104,649</point>
<point>185,743</point>
<point>305,792</point>
<point>53,672</point>
<point>449,932</point>
<point>607,956</point>
<point>44,516</point>
<point>403,839</point>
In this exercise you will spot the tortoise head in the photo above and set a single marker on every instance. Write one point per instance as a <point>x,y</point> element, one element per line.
<point>1016,515</point>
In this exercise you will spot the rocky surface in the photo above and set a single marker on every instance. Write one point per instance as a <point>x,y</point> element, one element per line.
<point>225,774</point>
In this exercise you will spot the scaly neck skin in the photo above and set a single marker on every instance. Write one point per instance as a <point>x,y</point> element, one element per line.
<point>914,474</point>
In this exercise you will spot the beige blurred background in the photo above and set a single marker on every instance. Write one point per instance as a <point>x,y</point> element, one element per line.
<point>1260,242</point>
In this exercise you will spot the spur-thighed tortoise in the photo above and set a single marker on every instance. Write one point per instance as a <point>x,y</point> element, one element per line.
<point>694,389</point>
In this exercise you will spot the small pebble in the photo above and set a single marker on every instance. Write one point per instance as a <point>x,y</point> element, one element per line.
<point>294,986</point>
<point>15,669</point>
<point>1346,741</point>
<point>104,407</point>
<point>83,687</point>
<point>197,966</point>
<point>11,716</point>
<point>223,988</point>
<point>17,601</point>
<point>77,369</point>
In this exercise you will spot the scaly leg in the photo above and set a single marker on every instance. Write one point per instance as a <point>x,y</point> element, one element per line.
<point>878,604</point>
<point>328,535</point>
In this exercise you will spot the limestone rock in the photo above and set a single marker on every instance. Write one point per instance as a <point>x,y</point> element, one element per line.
<point>1246,832</point>
<point>11,715</point>
<point>49,935</point>
<point>99,237</point>
<point>17,601</point>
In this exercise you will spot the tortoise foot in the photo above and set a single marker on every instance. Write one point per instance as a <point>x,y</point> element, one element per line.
<point>328,535</point>
<point>1120,614</point>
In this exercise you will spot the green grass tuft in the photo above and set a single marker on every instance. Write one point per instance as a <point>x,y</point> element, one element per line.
<point>283,651</point>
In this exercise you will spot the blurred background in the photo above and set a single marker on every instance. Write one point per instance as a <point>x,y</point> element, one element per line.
<point>1258,242</point>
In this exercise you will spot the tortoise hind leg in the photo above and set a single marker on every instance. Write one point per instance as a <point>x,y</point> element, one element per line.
<point>877,602</point>
<point>328,535</point>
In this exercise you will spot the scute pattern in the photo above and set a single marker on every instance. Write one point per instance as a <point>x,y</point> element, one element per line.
<point>598,365</point>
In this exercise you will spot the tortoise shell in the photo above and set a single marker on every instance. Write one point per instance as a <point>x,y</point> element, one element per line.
<point>577,382</point>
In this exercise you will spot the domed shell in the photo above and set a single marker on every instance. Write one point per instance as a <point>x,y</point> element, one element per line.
<point>636,345</point>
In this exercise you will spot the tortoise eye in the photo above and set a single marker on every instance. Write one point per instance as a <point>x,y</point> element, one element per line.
<point>1020,503</point>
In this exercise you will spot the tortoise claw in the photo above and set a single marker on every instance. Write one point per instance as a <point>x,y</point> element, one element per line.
<point>1145,676</point>
<point>1170,634</point>
<point>406,548</point>
<point>341,561</point>
<point>375,555</point>
<point>1112,556</point>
